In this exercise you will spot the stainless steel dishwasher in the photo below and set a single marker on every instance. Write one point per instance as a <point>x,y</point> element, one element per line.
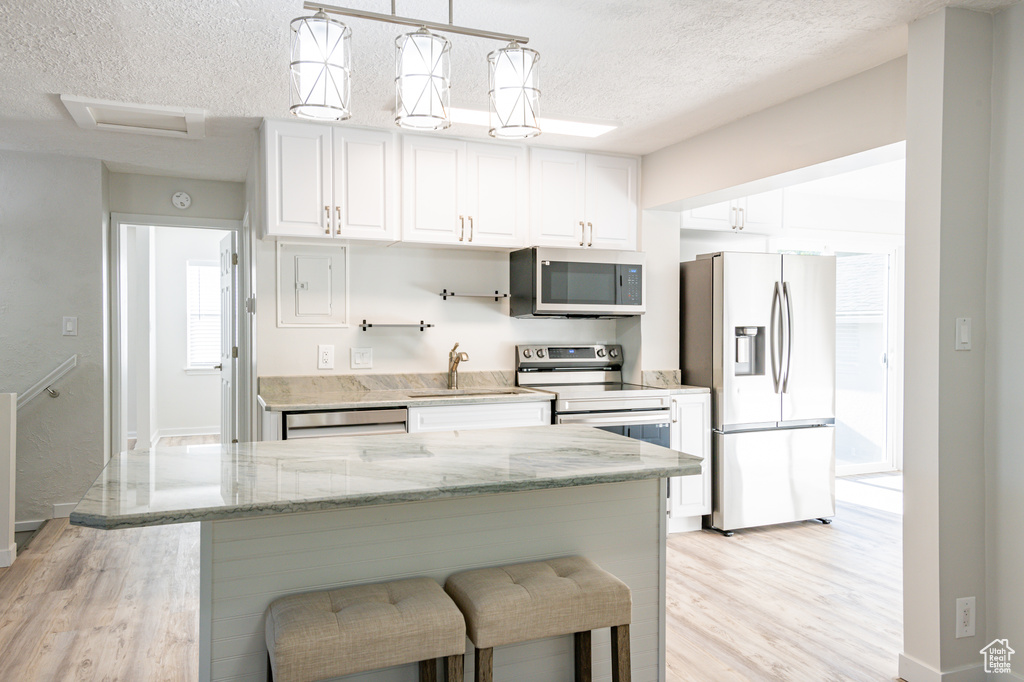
<point>344,423</point>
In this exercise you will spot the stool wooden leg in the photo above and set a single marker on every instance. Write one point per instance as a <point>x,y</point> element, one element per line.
<point>484,660</point>
<point>581,645</point>
<point>428,670</point>
<point>270,669</point>
<point>454,668</point>
<point>620,654</point>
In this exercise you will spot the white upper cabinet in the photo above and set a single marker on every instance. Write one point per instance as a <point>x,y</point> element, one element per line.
<point>756,214</point>
<point>582,200</point>
<point>329,182</point>
<point>463,193</point>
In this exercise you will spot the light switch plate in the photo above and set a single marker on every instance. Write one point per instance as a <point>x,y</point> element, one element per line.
<point>69,327</point>
<point>963,333</point>
<point>362,358</point>
<point>325,356</point>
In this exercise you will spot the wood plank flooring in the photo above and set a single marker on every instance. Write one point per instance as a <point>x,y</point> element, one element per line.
<point>800,601</point>
<point>793,602</point>
<point>84,604</point>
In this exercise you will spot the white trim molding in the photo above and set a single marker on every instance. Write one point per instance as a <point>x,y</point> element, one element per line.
<point>913,670</point>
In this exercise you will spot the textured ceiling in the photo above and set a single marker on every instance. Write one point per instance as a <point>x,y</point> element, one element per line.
<point>665,69</point>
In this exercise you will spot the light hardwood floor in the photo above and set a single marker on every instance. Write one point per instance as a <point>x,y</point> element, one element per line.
<point>798,602</point>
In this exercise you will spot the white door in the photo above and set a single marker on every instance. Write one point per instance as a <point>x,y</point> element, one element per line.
<point>496,201</point>
<point>557,198</point>
<point>364,179</point>
<point>298,179</point>
<point>228,338</point>
<point>611,202</point>
<point>431,191</point>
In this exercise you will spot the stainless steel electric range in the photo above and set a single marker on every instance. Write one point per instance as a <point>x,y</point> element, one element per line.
<point>587,383</point>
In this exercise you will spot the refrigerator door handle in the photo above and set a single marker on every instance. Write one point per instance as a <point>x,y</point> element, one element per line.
<point>775,330</point>
<point>788,338</point>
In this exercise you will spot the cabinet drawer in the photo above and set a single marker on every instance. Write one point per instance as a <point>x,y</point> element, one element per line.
<point>479,416</point>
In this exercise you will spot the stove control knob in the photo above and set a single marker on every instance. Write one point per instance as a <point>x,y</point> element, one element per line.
<point>540,352</point>
<point>527,353</point>
<point>614,352</point>
<point>600,352</point>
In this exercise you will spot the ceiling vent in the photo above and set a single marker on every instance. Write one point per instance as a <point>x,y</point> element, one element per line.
<point>95,114</point>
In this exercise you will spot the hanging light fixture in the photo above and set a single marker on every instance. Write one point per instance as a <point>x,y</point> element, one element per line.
<point>514,92</point>
<point>321,65</point>
<point>422,80</point>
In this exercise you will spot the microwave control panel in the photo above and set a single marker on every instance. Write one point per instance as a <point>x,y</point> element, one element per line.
<point>630,285</point>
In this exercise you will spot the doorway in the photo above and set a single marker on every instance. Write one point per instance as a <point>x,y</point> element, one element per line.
<point>175,340</point>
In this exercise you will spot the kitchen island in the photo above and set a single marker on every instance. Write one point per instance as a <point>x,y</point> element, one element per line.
<point>292,516</point>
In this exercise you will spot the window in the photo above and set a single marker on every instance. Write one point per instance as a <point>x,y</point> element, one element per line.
<point>202,282</point>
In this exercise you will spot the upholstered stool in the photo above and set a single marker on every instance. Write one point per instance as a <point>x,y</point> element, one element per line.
<point>320,635</point>
<point>572,595</point>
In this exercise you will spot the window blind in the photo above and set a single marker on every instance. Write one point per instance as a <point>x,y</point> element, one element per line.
<point>203,310</point>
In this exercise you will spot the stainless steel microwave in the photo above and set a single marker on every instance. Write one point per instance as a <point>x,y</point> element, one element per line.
<point>569,283</point>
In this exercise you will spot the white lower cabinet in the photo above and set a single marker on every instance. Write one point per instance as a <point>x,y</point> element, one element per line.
<point>479,416</point>
<point>690,496</point>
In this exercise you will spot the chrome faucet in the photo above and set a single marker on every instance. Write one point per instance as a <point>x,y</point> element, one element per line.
<point>453,365</point>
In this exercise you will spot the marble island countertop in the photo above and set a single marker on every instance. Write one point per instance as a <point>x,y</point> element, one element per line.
<point>203,483</point>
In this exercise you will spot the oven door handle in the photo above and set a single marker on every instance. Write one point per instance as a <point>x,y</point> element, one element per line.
<point>616,418</point>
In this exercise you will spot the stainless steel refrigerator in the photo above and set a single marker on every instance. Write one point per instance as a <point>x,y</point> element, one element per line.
<point>759,330</point>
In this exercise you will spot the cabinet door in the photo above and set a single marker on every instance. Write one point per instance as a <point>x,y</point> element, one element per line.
<point>298,179</point>
<point>722,216</point>
<point>431,190</point>
<point>557,198</point>
<point>762,213</point>
<point>611,202</point>
<point>496,195</point>
<point>364,183</point>
<point>691,495</point>
<point>479,416</point>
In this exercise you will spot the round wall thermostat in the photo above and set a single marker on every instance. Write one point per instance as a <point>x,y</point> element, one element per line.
<point>181,200</point>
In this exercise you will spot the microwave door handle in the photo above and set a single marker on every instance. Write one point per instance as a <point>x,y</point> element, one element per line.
<point>773,332</point>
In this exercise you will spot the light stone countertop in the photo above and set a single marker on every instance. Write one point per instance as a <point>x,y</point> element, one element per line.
<point>203,483</point>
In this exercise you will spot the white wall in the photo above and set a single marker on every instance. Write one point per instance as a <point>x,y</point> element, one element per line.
<point>948,124</point>
<point>186,403</point>
<point>862,112</point>
<point>51,265</point>
<point>401,284</point>
<point>1004,372</point>
<point>151,195</point>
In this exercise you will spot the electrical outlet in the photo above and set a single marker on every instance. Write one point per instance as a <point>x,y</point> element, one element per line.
<point>324,357</point>
<point>965,617</point>
<point>361,358</point>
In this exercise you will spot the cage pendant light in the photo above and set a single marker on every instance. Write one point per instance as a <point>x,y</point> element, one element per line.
<point>514,92</point>
<point>422,80</point>
<point>321,66</point>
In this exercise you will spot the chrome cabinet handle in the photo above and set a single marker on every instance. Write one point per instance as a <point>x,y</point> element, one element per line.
<point>583,234</point>
<point>327,220</point>
<point>591,226</point>
<point>733,221</point>
<point>337,225</point>
<point>462,226</point>
<point>743,217</point>
<point>470,228</point>
<point>775,330</point>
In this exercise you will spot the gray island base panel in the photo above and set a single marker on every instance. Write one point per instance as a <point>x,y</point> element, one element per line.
<point>539,493</point>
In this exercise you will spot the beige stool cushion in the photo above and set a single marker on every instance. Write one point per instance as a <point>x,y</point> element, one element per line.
<point>508,604</point>
<point>320,635</point>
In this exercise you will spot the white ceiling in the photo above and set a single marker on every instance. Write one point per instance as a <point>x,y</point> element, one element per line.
<point>666,69</point>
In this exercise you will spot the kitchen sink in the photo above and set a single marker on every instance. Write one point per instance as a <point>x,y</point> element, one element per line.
<point>448,392</point>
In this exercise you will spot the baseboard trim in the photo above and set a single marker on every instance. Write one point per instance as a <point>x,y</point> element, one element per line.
<point>64,509</point>
<point>27,526</point>
<point>913,670</point>
<point>7,556</point>
<point>185,431</point>
<point>685,524</point>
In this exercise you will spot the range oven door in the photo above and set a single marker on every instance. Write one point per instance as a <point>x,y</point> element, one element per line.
<point>651,426</point>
